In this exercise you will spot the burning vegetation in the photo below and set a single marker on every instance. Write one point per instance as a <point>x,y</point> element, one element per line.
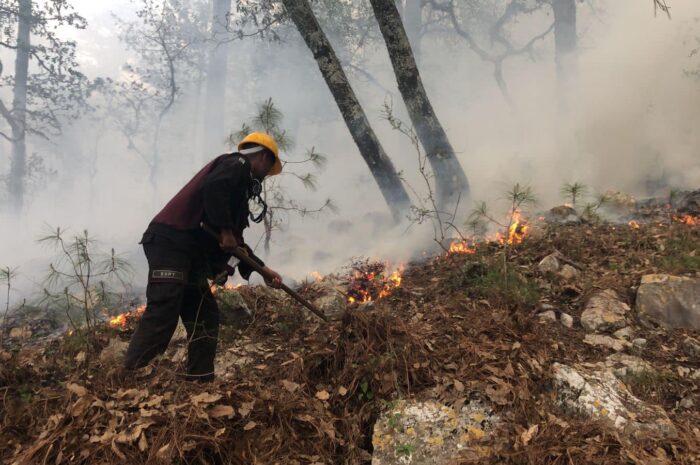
<point>369,281</point>
<point>127,319</point>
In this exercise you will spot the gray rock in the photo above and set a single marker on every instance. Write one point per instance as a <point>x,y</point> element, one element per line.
<point>628,367</point>
<point>564,214</point>
<point>233,310</point>
<point>687,403</point>
<point>624,333</point>
<point>604,312</point>
<point>114,352</point>
<point>567,320</point>
<point>547,316</point>
<point>430,433</point>
<point>602,340</point>
<point>691,346</point>
<point>549,264</point>
<point>569,273</point>
<point>599,395</point>
<point>670,301</point>
<point>639,343</point>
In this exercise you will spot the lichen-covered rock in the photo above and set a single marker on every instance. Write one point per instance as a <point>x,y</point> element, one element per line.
<point>671,301</point>
<point>627,367</point>
<point>604,312</point>
<point>619,203</point>
<point>603,340</point>
<point>430,433</point>
<point>600,395</point>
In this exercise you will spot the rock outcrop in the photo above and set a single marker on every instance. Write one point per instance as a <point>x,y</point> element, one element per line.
<point>670,301</point>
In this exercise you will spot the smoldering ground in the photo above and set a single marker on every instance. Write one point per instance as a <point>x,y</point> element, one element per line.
<point>626,121</point>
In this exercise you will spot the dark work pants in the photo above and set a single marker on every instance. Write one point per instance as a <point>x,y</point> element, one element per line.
<point>177,288</point>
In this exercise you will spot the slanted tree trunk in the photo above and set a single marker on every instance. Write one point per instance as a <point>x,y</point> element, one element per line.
<point>215,131</point>
<point>366,140</point>
<point>413,19</point>
<point>565,38</point>
<point>451,182</point>
<point>18,166</point>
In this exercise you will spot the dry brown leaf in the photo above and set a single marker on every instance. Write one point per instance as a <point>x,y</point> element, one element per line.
<point>80,358</point>
<point>219,411</point>
<point>116,450</point>
<point>289,385</point>
<point>76,389</point>
<point>246,408</point>
<point>323,395</point>
<point>205,398</point>
<point>164,451</point>
<point>250,425</point>
<point>342,390</point>
<point>526,436</point>
<point>458,385</point>
<point>219,432</point>
<point>143,442</point>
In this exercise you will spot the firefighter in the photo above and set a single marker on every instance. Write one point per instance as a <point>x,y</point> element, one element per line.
<point>182,257</point>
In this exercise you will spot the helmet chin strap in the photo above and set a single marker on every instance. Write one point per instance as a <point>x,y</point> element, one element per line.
<point>255,192</point>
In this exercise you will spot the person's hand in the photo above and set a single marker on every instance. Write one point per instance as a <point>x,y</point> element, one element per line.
<point>228,241</point>
<point>275,280</point>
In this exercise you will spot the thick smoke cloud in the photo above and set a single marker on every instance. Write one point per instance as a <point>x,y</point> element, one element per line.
<point>629,123</point>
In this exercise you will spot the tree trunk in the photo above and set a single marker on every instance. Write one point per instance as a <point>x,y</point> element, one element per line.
<point>450,178</point>
<point>355,118</point>
<point>214,130</point>
<point>565,38</point>
<point>18,167</point>
<point>413,19</point>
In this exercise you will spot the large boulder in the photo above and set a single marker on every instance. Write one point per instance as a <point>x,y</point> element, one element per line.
<point>604,312</point>
<point>564,214</point>
<point>422,433</point>
<point>598,394</point>
<point>670,301</point>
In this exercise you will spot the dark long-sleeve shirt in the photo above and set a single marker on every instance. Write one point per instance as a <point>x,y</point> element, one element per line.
<point>218,195</point>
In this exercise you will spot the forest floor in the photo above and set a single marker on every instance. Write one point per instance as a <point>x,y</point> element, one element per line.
<point>291,389</point>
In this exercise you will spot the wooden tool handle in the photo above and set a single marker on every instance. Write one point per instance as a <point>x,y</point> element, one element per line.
<point>243,256</point>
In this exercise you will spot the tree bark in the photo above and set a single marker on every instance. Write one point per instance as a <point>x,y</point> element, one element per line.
<point>215,131</point>
<point>18,166</point>
<point>355,118</point>
<point>451,182</point>
<point>413,18</point>
<point>565,37</point>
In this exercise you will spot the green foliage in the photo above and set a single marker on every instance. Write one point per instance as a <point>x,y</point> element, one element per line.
<point>405,449</point>
<point>484,280</point>
<point>83,280</point>
<point>681,255</point>
<point>574,191</point>
<point>365,391</point>
<point>269,118</point>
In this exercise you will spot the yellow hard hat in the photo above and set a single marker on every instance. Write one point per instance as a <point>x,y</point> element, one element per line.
<point>269,143</point>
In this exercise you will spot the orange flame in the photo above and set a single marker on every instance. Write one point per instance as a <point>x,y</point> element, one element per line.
<point>226,287</point>
<point>461,247</point>
<point>517,231</point>
<point>386,287</point>
<point>687,219</point>
<point>316,275</point>
<point>633,224</point>
<point>121,321</point>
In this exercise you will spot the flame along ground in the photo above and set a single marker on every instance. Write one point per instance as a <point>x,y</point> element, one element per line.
<point>368,286</point>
